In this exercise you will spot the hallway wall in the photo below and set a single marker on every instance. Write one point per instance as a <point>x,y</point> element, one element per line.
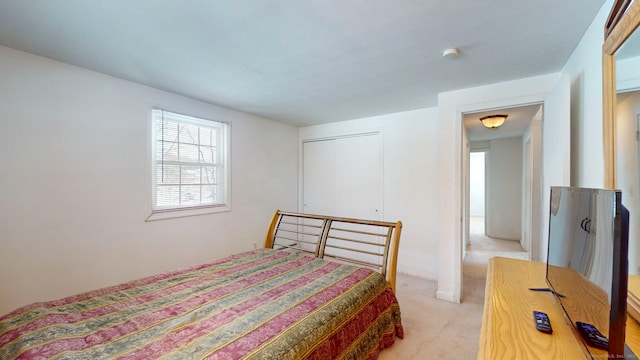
<point>504,189</point>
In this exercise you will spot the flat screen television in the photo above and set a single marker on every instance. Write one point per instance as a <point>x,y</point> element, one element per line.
<point>587,261</point>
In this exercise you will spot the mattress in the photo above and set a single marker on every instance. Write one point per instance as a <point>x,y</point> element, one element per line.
<point>262,304</point>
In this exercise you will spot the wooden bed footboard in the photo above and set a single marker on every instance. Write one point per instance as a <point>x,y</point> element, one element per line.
<point>369,243</point>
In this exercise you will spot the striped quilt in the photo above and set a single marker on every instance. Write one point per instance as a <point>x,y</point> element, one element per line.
<point>262,304</point>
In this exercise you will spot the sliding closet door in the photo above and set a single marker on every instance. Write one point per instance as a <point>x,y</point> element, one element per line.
<point>359,177</point>
<point>343,177</point>
<point>319,177</point>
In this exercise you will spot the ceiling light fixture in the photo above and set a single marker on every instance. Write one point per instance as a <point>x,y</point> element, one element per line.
<point>493,121</point>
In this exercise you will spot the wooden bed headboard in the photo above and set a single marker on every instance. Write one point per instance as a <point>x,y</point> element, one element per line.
<point>370,243</point>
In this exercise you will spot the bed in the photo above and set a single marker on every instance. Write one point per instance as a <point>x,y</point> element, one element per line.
<point>321,288</point>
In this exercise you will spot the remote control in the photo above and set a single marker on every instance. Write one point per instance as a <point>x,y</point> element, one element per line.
<point>542,322</point>
<point>592,336</point>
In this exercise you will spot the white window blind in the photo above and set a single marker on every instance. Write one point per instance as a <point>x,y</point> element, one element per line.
<point>189,162</point>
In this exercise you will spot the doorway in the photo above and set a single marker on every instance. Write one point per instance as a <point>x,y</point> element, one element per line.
<point>555,93</point>
<point>480,240</point>
<point>500,172</point>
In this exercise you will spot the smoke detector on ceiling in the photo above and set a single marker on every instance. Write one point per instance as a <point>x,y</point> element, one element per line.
<point>451,53</point>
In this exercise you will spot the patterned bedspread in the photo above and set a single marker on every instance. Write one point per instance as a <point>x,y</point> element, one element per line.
<point>262,304</point>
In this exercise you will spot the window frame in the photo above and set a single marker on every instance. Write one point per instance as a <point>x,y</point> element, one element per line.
<point>223,167</point>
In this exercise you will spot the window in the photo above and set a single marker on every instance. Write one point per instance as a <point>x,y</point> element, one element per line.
<point>190,171</point>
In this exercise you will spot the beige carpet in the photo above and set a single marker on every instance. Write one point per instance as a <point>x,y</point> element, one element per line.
<point>436,329</point>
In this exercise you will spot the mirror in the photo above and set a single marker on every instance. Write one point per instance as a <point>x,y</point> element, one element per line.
<point>623,20</point>
<point>627,150</point>
<point>621,73</point>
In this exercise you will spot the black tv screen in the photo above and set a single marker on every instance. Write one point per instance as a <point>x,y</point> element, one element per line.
<point>587,260</point>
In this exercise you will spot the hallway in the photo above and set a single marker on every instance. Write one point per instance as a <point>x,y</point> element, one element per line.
<point>481,247</point>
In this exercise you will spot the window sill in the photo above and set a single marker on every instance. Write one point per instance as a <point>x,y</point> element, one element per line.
<point>178,213</point>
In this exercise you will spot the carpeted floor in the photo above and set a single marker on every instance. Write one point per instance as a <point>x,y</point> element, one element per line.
<point>436,329</point>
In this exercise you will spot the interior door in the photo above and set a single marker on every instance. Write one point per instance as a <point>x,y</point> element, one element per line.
<point>556,153</point>
<point>343,177</point>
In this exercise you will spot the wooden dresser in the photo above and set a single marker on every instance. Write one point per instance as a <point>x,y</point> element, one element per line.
<point>508,330</point>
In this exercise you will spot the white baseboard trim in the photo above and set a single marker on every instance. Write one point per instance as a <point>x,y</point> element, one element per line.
<point>446,296</point>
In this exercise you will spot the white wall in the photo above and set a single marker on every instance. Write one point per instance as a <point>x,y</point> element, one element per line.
<point>531,220</point>
<point>504,189</point>
<point>410,186</point>
<point>451,106</point>
<point>585,70</point>
<point>556,154</point>
<point>75,180</point>
<point>75,158</point>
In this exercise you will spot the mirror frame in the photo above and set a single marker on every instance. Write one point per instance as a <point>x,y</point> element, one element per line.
<point>623,20</point>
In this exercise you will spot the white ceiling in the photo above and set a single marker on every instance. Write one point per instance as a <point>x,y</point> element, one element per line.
<point>303,62</point>
<point>518,121</point>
